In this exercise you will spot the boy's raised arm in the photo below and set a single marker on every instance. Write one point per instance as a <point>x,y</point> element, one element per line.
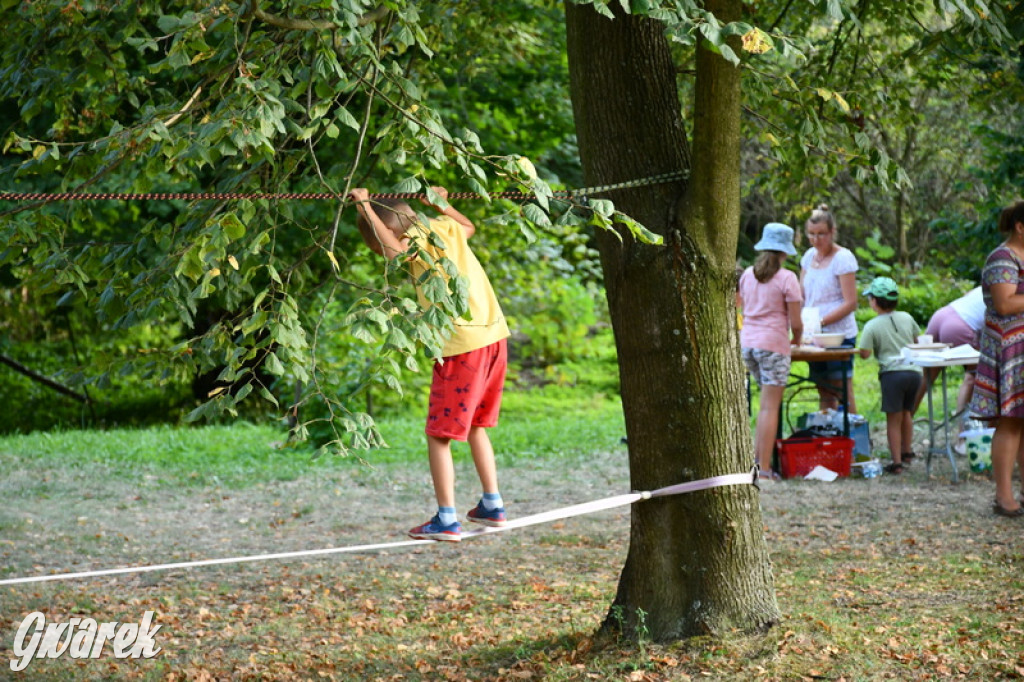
<point>374,232</point>
<point>455,215</point>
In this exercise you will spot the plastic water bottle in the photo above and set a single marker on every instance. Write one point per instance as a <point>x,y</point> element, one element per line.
<point>871,469</point>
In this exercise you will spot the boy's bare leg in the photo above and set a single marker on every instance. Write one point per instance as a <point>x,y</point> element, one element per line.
<point>483,457</point>
<point>893,431</point>
<point>442,471</point>
<point>907,432</point>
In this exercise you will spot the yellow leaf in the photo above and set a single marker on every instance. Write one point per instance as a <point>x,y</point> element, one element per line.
<point>214,272</point>
<point>842,103</point>
<point>334,261</point>
<point>233,262</point>
<point>825,94</point>
<point>38,151</point>
<point>756,41</point>
<point>527,167</point>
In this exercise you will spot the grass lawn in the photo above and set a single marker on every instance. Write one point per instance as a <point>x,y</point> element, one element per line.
<point>235,456</point>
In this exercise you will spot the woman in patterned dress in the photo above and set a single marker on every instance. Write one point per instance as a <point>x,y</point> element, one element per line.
<point>999,386</point>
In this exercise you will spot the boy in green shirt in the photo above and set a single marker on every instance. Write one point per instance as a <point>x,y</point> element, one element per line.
<point>886,336</point>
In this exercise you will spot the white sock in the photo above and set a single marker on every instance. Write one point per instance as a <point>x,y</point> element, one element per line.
<point>446,515</point>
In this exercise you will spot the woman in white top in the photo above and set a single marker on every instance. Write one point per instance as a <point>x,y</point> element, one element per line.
<point>828,274</point>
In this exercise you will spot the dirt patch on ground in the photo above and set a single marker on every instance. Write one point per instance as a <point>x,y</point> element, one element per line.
<point>85,517</point>
<point>80,518</point>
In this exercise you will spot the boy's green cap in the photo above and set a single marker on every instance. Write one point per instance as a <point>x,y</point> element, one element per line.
<point>883,287</point>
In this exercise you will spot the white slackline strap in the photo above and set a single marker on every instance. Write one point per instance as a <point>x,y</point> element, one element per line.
<point>543,517</point>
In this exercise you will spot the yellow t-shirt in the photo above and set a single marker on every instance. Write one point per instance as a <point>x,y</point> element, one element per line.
<point>484,323</point>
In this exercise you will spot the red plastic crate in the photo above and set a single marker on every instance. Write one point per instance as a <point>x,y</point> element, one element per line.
<point>797,456</point>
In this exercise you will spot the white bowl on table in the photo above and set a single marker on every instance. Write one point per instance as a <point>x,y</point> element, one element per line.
<point>833,340</point>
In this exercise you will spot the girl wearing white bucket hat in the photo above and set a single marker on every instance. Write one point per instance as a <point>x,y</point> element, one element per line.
<point>771,299</point>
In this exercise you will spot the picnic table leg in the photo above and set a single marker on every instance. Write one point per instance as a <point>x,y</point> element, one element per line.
<point>778,435</point>
<point>846,406</point>
<point>931,428</point>
<point>945,425</point>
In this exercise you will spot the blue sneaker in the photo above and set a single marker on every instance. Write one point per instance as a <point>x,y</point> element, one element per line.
<point>487,517</point>
<point>435,530</point>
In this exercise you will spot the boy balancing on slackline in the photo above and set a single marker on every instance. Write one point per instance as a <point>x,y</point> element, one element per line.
<point>465,392</point>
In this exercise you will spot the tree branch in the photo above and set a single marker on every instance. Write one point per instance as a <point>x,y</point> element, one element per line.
<point>370,17</point>
<point>778,19</point>
<point>45,381</point>
<point>181,112</point>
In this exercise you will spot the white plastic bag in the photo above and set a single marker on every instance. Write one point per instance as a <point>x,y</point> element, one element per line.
<point>812,323</point>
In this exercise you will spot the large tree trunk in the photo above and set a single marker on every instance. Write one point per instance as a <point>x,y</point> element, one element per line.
<point>698,562</point>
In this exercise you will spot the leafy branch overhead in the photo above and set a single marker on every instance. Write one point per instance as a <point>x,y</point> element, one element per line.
<point>236,98</point>
<point>278,299</point>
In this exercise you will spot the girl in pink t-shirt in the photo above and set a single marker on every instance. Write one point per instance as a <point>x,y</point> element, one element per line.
<point>771,298</point>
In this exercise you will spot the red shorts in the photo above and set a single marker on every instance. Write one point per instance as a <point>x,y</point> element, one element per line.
<point>466,391</point>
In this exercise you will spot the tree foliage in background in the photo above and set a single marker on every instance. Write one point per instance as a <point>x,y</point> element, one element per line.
<point>251,97</point>
<point>886,102</point>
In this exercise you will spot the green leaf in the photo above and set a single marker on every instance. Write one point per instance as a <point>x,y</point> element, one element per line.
<point>711,31</point>
<point>379,318</point>
<point>603,207</point>
<point>362,331</point>
<point>345,118</point>
<point>536,215</point>
<point>407,185</point>
<point>273,365</point>
<point>242,392</point>
<point>268,396</point>
<point>190,265</point>
<point>728,54</point>
<point>232,226</point>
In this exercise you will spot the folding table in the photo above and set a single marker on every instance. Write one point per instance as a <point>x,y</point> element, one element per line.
<point>937,361</point>
<point>815,354</point>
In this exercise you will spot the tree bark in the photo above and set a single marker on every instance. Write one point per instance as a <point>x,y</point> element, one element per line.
<point>697,563</point>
